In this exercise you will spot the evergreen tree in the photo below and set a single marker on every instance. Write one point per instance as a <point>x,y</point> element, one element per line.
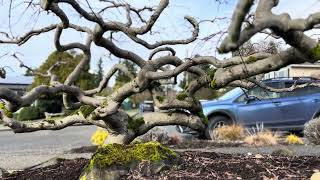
<point>100,71</point>
<point>85,81</point>
<point>121,77</point>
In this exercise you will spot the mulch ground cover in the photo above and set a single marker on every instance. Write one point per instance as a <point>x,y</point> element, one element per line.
<point>196,165</point>
<point>64,169</point>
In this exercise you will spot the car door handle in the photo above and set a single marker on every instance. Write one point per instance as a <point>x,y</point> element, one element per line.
<point>277,103</point>
<point>316,100</point>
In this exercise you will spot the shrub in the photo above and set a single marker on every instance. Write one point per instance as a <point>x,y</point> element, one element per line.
<point>263,138</point>
<point>293,139</point>
<point>229,133</point>
<point>29,113</point>
<point>50,106</point>
<point>312,131</point>
<point>99,137</point>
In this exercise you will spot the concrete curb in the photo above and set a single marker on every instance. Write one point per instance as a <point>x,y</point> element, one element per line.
<point>5,128</point>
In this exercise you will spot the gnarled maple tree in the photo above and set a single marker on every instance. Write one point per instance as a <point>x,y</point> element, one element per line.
<point>183,109</point>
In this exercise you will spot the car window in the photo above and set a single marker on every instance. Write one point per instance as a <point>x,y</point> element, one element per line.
<point>232,93</point>
<point>262,93</point>
<point>313,89</point>
<point>301,91</point>
<point>296,92</point>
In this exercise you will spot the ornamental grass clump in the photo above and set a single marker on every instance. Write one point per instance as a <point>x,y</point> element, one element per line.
<point>99,137</point>
<point>312,131</point>
<point>229,133</point>
<point>263,138</point>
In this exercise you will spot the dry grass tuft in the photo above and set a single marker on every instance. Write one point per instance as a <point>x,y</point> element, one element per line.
<point>264,138</point>
<point>175,139</point>
<point>229,133</point>
<point>312,131</point>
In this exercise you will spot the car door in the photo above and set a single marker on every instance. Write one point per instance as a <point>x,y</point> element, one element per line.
<point>264,109</point>
<point>293,109</point>
<point>311,102</point>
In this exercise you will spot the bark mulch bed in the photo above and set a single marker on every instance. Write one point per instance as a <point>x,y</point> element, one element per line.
<point>197,165</point>
<point>64,169</point>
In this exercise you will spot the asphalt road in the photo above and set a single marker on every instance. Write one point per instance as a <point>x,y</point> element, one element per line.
<point>18,151</point>
<point>45,141</point>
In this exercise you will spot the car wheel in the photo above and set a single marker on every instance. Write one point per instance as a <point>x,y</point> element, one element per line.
<point>214,123</point>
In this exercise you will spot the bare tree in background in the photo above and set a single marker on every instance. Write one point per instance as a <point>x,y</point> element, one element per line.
<point>183,109</point>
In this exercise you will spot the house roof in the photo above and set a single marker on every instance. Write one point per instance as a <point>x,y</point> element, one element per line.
<point>23,80</point>
<point>305,65</point>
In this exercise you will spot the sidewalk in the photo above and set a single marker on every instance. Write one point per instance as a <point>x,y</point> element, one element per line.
<point>4,128</point>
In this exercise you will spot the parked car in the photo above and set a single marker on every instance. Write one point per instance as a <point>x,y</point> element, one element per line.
<point>279,111</point>
<point>147,106</point>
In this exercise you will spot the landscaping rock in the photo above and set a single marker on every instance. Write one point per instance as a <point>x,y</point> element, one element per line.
<point>115,160</point>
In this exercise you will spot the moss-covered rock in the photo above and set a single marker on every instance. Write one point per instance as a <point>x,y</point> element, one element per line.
<point>113,160</point>
<point>7,113</point>
<point>117,154</point>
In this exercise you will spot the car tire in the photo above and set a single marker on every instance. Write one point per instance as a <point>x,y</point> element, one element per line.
<point>215,122</point>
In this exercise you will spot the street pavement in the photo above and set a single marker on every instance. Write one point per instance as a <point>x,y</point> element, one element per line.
<point>18,151</point>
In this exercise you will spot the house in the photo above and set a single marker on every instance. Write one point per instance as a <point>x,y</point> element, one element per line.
<point>296,70</point>
<point>16,83</point>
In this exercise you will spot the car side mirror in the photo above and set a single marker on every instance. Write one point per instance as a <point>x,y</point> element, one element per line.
<point>250,99</point>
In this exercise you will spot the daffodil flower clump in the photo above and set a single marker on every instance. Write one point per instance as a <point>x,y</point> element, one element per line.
<point>99,137</point>
<point>293,139</point>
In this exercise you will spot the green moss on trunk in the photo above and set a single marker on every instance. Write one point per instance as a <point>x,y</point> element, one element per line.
<point>86,110</point>
<point>251,59</point>
<point>213,84</point>
<point>7,113</point>
<point>160,98</point>
<point>316,52</point>
<point>203,118</point>
<point>134,124</point>
<point>182,96</point>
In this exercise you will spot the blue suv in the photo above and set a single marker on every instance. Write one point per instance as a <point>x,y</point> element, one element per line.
<point>279,111</point>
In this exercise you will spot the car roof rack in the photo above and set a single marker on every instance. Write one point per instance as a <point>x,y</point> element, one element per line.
<point>292,78</point>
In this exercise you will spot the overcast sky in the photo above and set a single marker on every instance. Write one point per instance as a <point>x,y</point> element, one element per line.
<point>171,25</point>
